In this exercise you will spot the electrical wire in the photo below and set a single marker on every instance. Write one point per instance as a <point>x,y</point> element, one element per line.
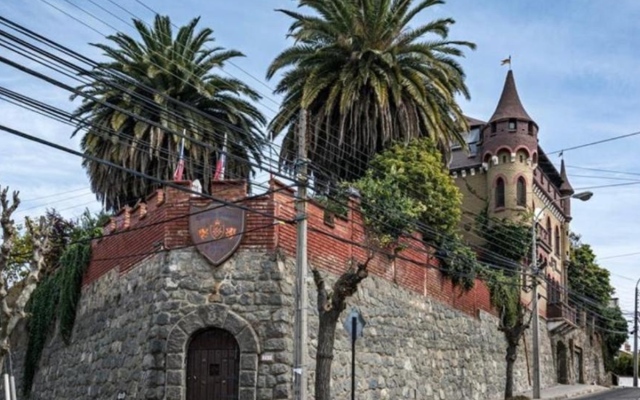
<point>550,153</point>
<point>595,143</point>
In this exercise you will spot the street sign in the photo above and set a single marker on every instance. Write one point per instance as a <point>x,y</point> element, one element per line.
<point>354,324</point>
<point>359,321</point>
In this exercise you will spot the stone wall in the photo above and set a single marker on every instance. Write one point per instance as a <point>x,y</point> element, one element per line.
<point>415,347</point>
<point>148,291</point>
<point>132,331</point>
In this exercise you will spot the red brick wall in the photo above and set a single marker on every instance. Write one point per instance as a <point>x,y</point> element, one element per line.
<point>162,223</point>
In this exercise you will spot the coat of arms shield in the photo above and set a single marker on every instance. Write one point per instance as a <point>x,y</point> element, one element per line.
<point>216,230</point>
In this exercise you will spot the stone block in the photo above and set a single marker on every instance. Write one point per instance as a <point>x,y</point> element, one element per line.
<point>281,392</point>
<point>176,361</point>
<point>234,323</point>
<point>174,377</point>
<point>248,341</point>
<point>177,341</point>
<point>249,362</point>
<point>247,378</point>
<point>213,314</point>
<point>247,394</point>
<point>174,392</point>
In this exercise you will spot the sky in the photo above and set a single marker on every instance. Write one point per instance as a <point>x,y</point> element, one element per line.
<point>574,62</point>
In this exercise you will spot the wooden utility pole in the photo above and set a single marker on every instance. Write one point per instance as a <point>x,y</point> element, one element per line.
<point>300,351</point>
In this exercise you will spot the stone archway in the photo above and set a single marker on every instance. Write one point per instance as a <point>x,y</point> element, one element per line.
<point>562,362</point>
<point>203,317</point>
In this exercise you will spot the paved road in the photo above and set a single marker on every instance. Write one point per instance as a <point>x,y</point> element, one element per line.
<point>616,394</point>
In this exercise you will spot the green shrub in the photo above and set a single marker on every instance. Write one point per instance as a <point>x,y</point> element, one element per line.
<point>415,170</point>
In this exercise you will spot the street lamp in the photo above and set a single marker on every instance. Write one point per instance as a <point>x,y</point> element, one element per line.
<point>582,196</point>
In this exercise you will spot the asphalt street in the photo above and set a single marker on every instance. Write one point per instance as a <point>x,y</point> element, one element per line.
<point>616,394</point>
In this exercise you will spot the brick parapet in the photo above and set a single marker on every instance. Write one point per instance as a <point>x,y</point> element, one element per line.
<point>162,223</point>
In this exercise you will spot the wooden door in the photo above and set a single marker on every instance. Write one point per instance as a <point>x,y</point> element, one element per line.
<point>213,366</point>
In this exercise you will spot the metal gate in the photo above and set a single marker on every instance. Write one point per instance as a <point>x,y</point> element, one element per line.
<point>213,366</point>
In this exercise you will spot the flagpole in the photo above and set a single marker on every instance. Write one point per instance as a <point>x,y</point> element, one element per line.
<point>179,172</point>
<point>222,159</point>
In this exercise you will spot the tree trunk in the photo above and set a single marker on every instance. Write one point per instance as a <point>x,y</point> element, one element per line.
<point>324,353</point>
<point>330,306</point>
<point>512,356</point>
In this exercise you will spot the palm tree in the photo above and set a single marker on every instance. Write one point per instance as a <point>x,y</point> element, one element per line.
<point>367,78</point>
<point>163,86</point>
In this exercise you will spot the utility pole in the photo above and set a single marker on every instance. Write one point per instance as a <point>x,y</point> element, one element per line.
<point>635,339</point>
<point>299,370</point>
<point>534,310</point>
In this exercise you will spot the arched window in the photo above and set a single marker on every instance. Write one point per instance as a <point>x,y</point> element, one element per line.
<point>500,193</point>
<point>521,192</point>
<point>549,232</point>
<point>557,240</point>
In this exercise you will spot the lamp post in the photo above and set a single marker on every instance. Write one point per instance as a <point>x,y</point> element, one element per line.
<point>583,196</point>
<point>635,339</point>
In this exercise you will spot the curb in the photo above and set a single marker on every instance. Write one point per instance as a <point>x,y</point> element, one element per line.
<point>579,393</point>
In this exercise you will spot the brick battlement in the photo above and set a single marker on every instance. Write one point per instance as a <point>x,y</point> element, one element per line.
<point>162,223</point>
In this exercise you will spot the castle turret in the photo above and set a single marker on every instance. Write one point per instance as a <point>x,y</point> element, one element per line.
<point>510,147</point>
<point>510,126</point>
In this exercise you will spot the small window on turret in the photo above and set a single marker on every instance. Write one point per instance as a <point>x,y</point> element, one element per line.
<point>512,125</point>
<point>493,127</point>
<point>530,128</point>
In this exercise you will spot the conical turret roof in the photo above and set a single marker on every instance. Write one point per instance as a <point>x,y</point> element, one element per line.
<point>565,187</point>
<point>509,105</point>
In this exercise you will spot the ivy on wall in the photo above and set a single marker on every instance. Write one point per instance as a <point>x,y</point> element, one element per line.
<point>57,296</point>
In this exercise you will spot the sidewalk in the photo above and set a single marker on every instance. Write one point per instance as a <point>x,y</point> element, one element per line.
<point>567,391</point>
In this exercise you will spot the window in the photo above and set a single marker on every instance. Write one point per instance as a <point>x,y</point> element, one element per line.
<point>493,127</point>
<point>549,232</point>
<point>500,193</point>
<point>521,158</point>
<point>472,140</point>
<point>521,192</point>
<point>512,125</point>
<point>530,128</point>
<point>557,240</point>
<point>504,159</point>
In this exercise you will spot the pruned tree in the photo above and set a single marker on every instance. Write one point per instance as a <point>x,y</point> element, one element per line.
<point>515,317</point>
<point>331,303</point>
<point>504,280</point>
<point>14,301</point>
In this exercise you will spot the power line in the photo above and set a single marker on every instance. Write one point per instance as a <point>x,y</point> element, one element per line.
<point>595,143</point>
<point>129,170</point>
<point>603,170</point>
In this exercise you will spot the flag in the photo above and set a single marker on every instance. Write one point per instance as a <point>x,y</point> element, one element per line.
<point>178,173</point>
<point>561,153</point>
<point>506,61</point>
<point>221,164</point>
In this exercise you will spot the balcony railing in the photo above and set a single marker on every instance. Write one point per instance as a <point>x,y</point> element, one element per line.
<point>544,237</point>
<point>561,310</point>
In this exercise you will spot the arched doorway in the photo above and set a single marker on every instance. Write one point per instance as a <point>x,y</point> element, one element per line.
<point>213,362</point>
<point>562,362</point>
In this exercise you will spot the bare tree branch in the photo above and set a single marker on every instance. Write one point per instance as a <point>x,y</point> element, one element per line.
<point>12,311</point>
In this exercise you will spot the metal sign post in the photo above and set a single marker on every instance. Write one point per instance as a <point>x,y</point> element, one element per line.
<point>354,325</point>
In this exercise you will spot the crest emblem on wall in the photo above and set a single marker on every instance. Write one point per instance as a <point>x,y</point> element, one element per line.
<point>216,230</point>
